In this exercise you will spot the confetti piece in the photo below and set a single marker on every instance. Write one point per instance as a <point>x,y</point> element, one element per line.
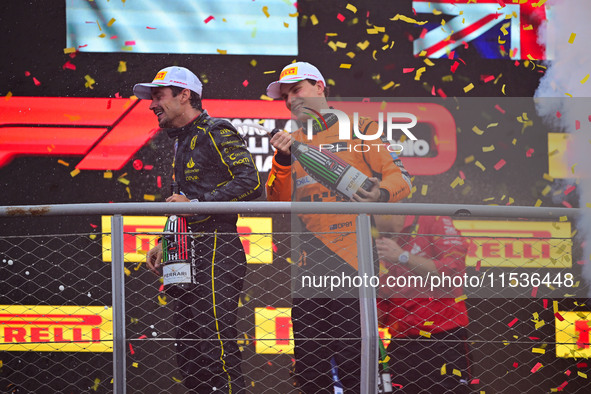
<point>569,190</point>
<point>135,365</point>
<point>97,381</point>
<point>123,180</point>
<point>63,163</point>
<point>538,350</point>
<point>477,130</point>
<point>176,379</point>
<point>351,8</point>
<point>443,369</point>
<point>538,203</point>
<point>534,291</point>
<point>266,11</point>
<point>500,164</point>
<point>131,349</point>
<point>222,51</point>
<point>345,66</point>
<point>68,65</point>
<point>461,298</point>
<point>581,374</point>
<point>512,323</point>
<point>129,43</point>
<point>425,334</point>
<point>571,39</point>
<point>149,197</point>
<point>74,173</point>
<point>161,301</point>
<point>420,72</point>
<point>89,81</point>
<point>469,159</point>
<point>341,17</point>
<point>388,85</point>
<point>407,70</point>
<point>488,148</point>
<point>478,265</point>
<point>36,81</point>
<point>456,372</point>
<point>468,87</point>
<point>424,190</point>
<point>110,23</point>
<point>314,19</point>
<point>536,367</point>
<point>407,19</point>
<point>559,316</point>
<point>122,66</point>
<point>529,152</point>
<point>363,45</point>
<point>211,17</point>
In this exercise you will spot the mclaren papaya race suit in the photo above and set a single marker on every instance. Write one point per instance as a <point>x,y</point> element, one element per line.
<point>212,163</point>
<point>326,324</point>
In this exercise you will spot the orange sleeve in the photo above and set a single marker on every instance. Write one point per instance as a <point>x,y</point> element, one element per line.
<point>279,182</point>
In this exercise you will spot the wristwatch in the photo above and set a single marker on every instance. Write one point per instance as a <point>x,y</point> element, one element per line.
<point>404,257</point>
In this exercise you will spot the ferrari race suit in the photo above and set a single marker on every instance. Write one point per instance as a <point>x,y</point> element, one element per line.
<point>427,327</point>
<point>327,323</point>
<point>212,164</point>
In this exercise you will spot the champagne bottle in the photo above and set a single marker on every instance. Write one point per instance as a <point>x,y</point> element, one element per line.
<point>177,270</point>
<point>329,170</point>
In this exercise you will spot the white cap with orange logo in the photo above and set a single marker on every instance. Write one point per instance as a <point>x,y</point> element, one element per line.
<point>293,73</point>
<point>169,76</point>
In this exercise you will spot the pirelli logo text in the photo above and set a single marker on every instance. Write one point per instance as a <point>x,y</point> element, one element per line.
<point>572,334</point>
<point>289,71</point>
<point>517,244</point>
<point>44,328</point>
<point>142,232</point>
<point>160,76</point>
<point>273,330</point>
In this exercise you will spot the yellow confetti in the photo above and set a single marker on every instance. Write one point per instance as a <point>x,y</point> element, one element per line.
<point>74,173</point>
<point>69,50</point>
<point>469,159</point>
<point>253,62</point>
<point>585,79</point>
<point>265,97</point>
<point>149,197</point>
<point>538,350</point>
<point>456,372</point>
<point>122,66</point>
<point>492,125</point>
<point>266,11</point>
<point>444,369</point>
<point>137,267</point>
<point>108,175</point>
<point>351,54</point>
<point>571,39</point>
<point>546,190</point>
<point>426,334</point>
<point>388,85</point>
<point>538,203</point>
<point>123,180</point>
<point>528,27</point>
<point>89,81</point>
<point>456,182</point>
<point>480,165</point>
<point>102,35</point>
<point>363,45</point>
<point>548,177</point>
<point>97,381</point>
<point>135,365</point>
<point>420,72</point>
<point>488,148</point>
<point>222,51</point>
<point>294,15</point>
<point>351,8</point>
<point>424,190</point>
<point>314,19</point>
<point>468,87</point>
<point>461,298</point>
<point>63,163</point>
<point>477,130</point>
<point>162,300</point>
<point>128,190</point>
<point>514,142</point>
<point>428,62</point>
<point>92,236</point>
<point>285,24</point>
<point>428,323</point>
<point>176,379</point>
<point>127,271</point>
<point>345,66</point>
<point>406,19</point>
<point>110,23</point>
<point>582,374</point>
<point>8,96</point>
<point>503,89</point>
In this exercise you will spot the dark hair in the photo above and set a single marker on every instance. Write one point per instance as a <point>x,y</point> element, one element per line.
<point>195,99</point>
<point>313,83</point>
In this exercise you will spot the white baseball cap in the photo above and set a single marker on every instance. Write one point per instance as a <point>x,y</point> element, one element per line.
<point>293,73</point>
<point>169,76</point>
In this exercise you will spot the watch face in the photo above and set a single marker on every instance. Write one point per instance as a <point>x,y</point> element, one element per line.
<point>403,258</point>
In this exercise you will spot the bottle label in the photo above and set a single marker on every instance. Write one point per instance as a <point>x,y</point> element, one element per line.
<point>350,182</point>
<point>174,273</point>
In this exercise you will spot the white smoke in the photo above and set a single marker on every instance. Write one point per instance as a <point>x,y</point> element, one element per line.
<point>565,79</point>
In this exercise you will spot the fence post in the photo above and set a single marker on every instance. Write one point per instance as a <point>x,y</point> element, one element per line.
<point>118,294</point>
<point>368,307</point>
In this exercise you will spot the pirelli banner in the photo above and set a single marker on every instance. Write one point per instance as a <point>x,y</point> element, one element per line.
<point>44,328</point>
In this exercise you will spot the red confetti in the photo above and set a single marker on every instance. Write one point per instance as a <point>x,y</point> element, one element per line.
<point>69,66</point>
<point>148,167</point>
<point>529,152</point>
<point>568,372</point>
<point>341,17</point>
<point>117,95</point>
<point>128,43</point>
<point>569,189</point>
<point>452,54</point>
<point>274,247</point>
<point>536,367</point>
<point>414,11</point>
<point>407,70</point>
<point>433,91</point>
<point>487,78</point>
<point>501,110</point>
<point>161,289</point>
<point>397,385</point>
<point>577,124</point>
<point>142,337</point>
<point>558,114</point>
<point>580,262</point>
<point>562,386</point>
<point>82,46</point>
<point>500,164</point>
<point>513,322</point>
<point>559,316</point>
<point>27,74</point>
<point>245,83</point>
<point>534,291</point>
<point>545,303</point>
<point>462,175</point>
<point>478,265</point>
<point>36,81</point>
<point>423,33</point>
<point>138,164</point>
<point>465,45</point>
<point>501,3</point>
<point>113,37</point>
<point>441,92</point>
<point>454,67</point>
<point>159,181</point>
<point>93,225</point>
<point>151,28</point>
<point>515,364</point>
<point>269,363</point>
<point>475,381</point>
<point>567,204</point>
<point>582,365</point>
<point>534,338</point>
<point>516,63</point>
<point>462,60</point>
<point>208,19</point>
<point>131,349</point>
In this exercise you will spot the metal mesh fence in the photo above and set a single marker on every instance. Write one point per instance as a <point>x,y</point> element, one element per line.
<point>57,325</point>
